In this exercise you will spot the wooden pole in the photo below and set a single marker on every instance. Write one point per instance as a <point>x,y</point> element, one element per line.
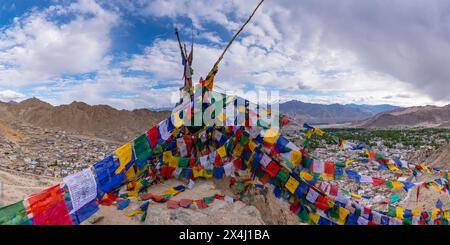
<point>232,40</point>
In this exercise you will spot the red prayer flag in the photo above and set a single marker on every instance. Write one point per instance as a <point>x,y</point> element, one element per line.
<point>166,172</point>
<point>172,204</point>
<point>329,168</point>
<point>201,204</point>
<point>218,161</point>
<point>237,163</point>
<point>272,169</point>
<point>285,120</point>
<point>377,181</point>
<point>49,207</point>
<point>153,136</point>
<point>185,203</point>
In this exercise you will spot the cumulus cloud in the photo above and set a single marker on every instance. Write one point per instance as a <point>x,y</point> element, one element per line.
<point>37,49</point>
<point>10,95</point>
<point>356,49</point>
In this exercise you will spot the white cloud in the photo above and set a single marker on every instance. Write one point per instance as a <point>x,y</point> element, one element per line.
<point>10,95</point>
<point>37,49</point>
<point>285,46</point>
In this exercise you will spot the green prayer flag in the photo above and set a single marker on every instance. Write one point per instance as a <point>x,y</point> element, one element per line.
<point>158,150</point>
<point>14,214</point>
<point>303,215</point>
<point>142,148</point>
<point>209,199</point>
<point>282,176</point>
<point>243,140</point>
<point>240,186</point>
<point>340,164</point>
<point>389,184</point>
<point>183,162</point>
<point>407,221</point>
<point>395,198</point>
<point>392,211</point>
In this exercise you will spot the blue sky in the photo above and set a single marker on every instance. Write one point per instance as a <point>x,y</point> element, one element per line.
<point>124,53</point>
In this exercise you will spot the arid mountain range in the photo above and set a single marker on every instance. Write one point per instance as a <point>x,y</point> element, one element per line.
<point>411,117</point>
<point>332,113</point>
<point>98,120</point>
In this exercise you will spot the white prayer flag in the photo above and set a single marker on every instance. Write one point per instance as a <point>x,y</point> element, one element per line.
<point>229,199</point>
<point>228,168</point>
<point>318,166</point>
<point>82,188</point>
<point>163,130</point>
<point>365,179</point>
<point>312,196</point>
<point>265,160</point>
<point>191,184</point>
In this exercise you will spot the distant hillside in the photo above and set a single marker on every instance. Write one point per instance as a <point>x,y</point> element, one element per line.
<point>333,113</point>
<point>98,120</point>
<point>412,117</point>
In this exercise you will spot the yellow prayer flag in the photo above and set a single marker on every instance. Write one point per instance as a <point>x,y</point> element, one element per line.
<point>207,175</point>
<point>222,151</point>
<point>435,186</point>
<point>399,213</point>
<point>124,153</point>
<point>135,191</point>
<point>396,185</point>
<point>309,133</point>
<point>347,162</point>
<point>416,212</point>
<point>177,121</point>
<point>167,156</point>
<point>197,172</point>
<point>133,213</point>
<point>392,167</point>
<point>319,132</point>
<point>271,136</point>
<point>435,213</point>
<point>174,162</point>
<point>209,83</point>
<point>238,149</point>
<point>355,195</point>
<point>343,213</point>
<point>296,157</point>
<point>314,218</point>
<point>171,191</point>
<point>131,174</point>
<point>291,184</point>
<point>252,145</point>
<point>305,175</point>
